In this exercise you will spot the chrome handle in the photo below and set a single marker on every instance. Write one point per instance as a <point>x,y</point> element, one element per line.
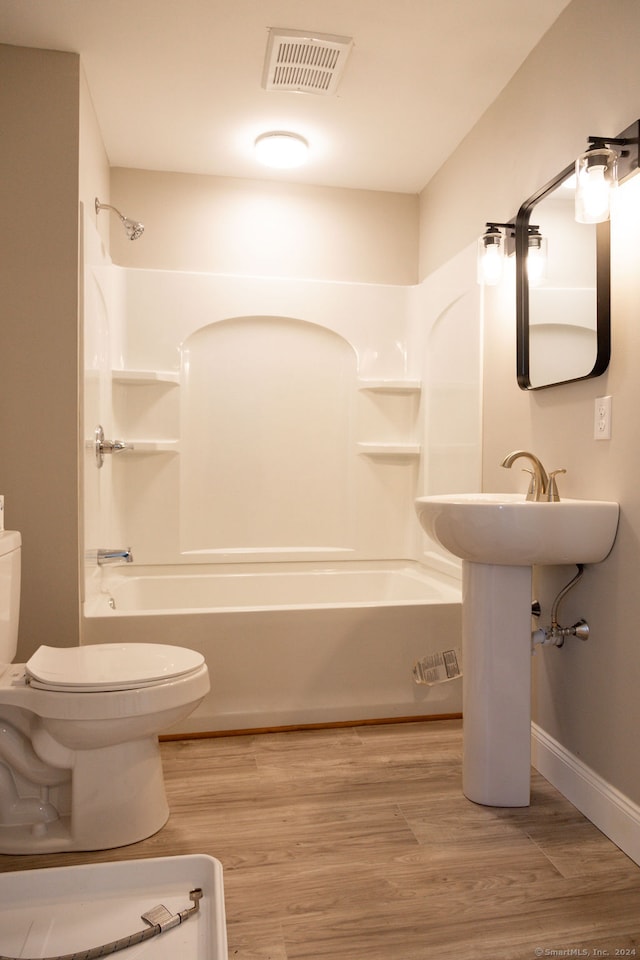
<point>103,446</point>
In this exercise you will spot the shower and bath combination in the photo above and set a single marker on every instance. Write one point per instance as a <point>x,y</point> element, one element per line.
<point>134,228</point>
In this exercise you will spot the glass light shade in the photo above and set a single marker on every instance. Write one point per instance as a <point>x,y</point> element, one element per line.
<point>490,257</point>
<point>536,259</point>
<point>596,178</point>
<point>281,150</point>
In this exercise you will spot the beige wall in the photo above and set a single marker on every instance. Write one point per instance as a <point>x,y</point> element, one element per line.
<point>582,79</point>
<point>39,105</point>
<point>94,168</point>
<point>264,228</point>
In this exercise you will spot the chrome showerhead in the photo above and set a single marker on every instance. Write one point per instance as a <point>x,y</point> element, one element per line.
<point>133,228</point>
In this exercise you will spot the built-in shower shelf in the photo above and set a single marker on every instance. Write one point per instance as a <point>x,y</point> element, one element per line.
<point>397,450</point>
<point>142,377</point>
<point>152,446</point>
<point>391,386</point>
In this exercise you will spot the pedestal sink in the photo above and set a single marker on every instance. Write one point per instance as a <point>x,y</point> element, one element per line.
<point>499,537</point>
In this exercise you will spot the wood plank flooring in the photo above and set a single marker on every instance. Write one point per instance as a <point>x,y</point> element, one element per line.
<point>357,844</point>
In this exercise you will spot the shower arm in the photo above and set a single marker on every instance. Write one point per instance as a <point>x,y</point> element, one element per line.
<point>107,206</point>
<point>134,228</point>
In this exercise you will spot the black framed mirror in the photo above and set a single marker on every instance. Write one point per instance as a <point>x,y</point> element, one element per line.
<point>563,316</point>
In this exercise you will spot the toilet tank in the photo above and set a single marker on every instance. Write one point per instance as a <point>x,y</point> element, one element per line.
<point>10,551</point>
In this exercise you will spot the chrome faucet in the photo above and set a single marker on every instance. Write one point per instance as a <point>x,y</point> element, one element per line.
<point>540,488</point>
<point>114,555</point>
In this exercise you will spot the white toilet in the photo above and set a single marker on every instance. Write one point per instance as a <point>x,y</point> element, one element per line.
<point>80,764</point>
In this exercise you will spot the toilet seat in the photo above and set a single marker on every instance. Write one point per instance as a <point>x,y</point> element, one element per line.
<point>109,666</point>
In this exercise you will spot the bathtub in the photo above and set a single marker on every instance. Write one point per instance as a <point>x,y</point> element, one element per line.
<point>289,644</point>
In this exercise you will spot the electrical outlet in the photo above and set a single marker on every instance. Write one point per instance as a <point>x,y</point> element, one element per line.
<point>602,419</point>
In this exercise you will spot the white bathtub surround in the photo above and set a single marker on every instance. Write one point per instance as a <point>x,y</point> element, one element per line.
<point>281,419</point>
<point>280,422</point>
<point>278,418</point>
<point>289,643</point>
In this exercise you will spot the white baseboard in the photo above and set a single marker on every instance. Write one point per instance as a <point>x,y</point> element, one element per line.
<point>609,809</point>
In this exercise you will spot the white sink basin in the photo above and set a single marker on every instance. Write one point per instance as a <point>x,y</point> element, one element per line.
<point>506,529</point>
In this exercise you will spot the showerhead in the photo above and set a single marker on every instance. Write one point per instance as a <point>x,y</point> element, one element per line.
<point>134,228</point>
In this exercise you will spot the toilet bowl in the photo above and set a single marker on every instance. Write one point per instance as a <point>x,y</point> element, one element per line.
<point>80,765</point>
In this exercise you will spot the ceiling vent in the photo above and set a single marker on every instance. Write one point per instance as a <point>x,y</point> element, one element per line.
<point>301,63</point>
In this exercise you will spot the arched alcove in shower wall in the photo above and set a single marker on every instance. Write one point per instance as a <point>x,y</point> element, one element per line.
<point>266,465</point>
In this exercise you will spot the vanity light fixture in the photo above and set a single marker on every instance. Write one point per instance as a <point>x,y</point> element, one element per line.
<point>497,239</point>
<point>536,256</point>
<point>605,164</point>
<point>596,178</point>
<point>281,149</point>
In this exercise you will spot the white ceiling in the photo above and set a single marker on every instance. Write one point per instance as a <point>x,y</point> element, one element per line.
<point>177,83</point>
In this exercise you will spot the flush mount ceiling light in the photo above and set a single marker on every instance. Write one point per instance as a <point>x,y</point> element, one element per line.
<point>282,150</point>
<point>600,169</point>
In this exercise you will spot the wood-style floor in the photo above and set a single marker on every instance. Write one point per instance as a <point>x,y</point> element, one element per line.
<point>357,844</point>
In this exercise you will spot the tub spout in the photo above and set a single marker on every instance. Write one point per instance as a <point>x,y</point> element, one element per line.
<point>540,485</point>
<point>119,555</point>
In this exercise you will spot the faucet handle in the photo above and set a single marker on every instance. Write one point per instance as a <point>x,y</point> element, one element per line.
<point>553,496</point>
<point>531,492</point>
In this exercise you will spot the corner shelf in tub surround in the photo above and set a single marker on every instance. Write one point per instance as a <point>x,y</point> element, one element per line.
<point>397,450</point>
<point>144,377</point>
<point>385,385</point>
<point>392,415</point>
<point>141,415</point>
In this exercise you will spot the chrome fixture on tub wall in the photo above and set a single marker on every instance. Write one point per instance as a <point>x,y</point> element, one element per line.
<point>114,555</point>
<point>108,555</point>
<point>134,228</point>
<point>103,446</point>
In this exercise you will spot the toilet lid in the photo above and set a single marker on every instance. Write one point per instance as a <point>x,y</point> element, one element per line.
<point>109,666</point>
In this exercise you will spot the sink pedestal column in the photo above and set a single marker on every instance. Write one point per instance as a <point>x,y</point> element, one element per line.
<point>496,651</point>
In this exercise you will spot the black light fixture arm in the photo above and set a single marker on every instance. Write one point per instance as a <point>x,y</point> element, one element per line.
<point>494,226</point>
<point>503,226</point>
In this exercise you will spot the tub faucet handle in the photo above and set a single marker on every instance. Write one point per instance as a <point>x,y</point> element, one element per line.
<point>103,446</point>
